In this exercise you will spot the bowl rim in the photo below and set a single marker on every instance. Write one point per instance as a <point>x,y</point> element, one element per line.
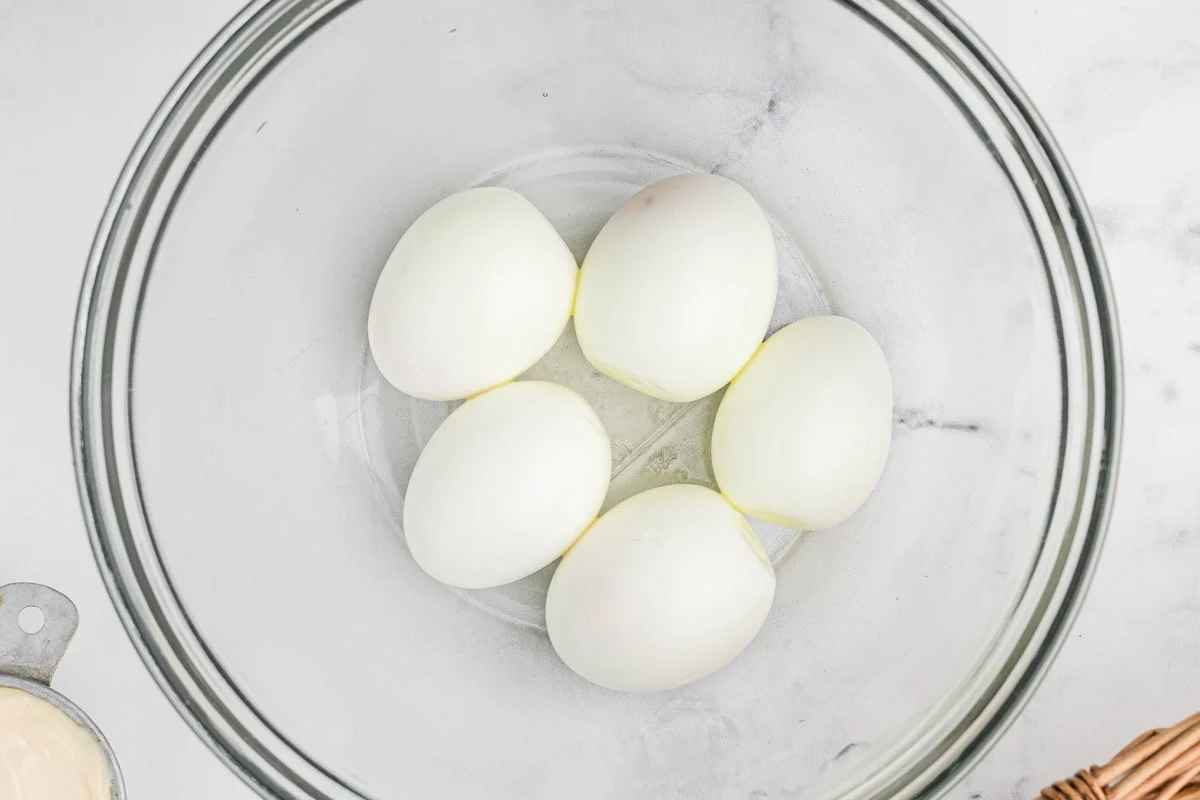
<point>187,671</point>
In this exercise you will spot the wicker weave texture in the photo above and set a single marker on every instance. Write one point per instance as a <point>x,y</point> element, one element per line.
<point>1162,764</point>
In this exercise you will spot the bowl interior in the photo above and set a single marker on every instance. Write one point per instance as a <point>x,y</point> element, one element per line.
<point>271,458</point>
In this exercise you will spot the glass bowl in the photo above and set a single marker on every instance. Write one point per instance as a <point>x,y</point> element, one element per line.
<point>242,464</point>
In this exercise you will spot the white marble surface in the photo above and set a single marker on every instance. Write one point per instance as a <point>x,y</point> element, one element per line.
<point>1119,83</point>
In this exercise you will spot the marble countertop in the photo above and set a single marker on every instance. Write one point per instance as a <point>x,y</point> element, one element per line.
<point>1118,82</point>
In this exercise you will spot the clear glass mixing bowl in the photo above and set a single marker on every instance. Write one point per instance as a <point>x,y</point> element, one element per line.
<point>242,465</point>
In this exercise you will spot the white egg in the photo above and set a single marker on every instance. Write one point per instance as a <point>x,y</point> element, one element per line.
<point>802,434</point>
<point>476,291</point>
<point>506,484</point>
<point>678,288</point>
<point>665,588</point>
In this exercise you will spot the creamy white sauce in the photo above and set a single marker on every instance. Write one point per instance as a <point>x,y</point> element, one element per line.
<point>45,755</point>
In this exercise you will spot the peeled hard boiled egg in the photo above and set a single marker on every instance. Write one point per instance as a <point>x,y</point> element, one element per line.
<point>665,588</point>
<point>802,434</point>
<point>678,288</point>
<point>476,291</point>
<point>506,484</point>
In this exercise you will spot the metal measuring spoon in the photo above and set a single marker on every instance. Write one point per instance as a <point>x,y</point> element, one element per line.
<point>28,660</point>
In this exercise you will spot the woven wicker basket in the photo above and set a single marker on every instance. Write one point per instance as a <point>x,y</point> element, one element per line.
<point>1162,764</point>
